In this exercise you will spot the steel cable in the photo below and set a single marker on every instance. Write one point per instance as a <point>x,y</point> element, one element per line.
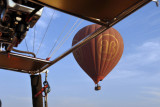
<point>66,37</point>
<point>34,37</point>
<point>59,36</point>
<point>45,32</point>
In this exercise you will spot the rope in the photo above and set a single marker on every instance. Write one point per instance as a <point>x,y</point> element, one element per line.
<point>65,38</point>
<point>45,32</point>
<point>44,11</point>
<point>34,37</point>
<point>26,45</point>
<point>60,36</point>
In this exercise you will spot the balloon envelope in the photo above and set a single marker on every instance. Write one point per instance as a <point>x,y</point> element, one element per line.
<point>101,54</point>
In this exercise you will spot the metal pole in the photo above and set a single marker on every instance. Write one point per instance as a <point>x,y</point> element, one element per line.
<point>76,46</point>
<point>46,94</point>
<point>0,103</point>
<point>36,83</point>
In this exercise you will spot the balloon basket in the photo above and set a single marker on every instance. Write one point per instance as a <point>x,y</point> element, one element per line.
<point>97,87</point>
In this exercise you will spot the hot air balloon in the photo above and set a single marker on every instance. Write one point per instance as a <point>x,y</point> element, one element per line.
<point>101,54</point>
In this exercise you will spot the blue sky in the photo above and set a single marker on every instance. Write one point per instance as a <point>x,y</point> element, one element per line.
<point>134,82</point>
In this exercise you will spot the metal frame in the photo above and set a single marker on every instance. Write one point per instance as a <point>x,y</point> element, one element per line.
<point>99,21</point>
<point>15,6</point>
<point>26,58</point>
<point>98,31</point>
<point>11,5</point>
<point>76,46</point>
<point>94,34</point>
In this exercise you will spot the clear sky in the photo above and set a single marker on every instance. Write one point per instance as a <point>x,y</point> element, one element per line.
<point>134,82</point>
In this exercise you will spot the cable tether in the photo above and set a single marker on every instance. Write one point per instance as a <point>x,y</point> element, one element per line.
<point>26,45</point>
<point>60,36</point>
<point>34,37</point>
<point>45,32</point>
<point>65,38</point>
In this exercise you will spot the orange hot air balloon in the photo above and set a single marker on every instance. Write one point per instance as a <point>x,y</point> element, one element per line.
<point>101,54</point>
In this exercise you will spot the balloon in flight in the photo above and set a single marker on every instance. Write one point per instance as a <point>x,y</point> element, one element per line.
<point>101,54</point>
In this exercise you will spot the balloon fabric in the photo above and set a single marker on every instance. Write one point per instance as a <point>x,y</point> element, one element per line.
<point>101,54</point>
